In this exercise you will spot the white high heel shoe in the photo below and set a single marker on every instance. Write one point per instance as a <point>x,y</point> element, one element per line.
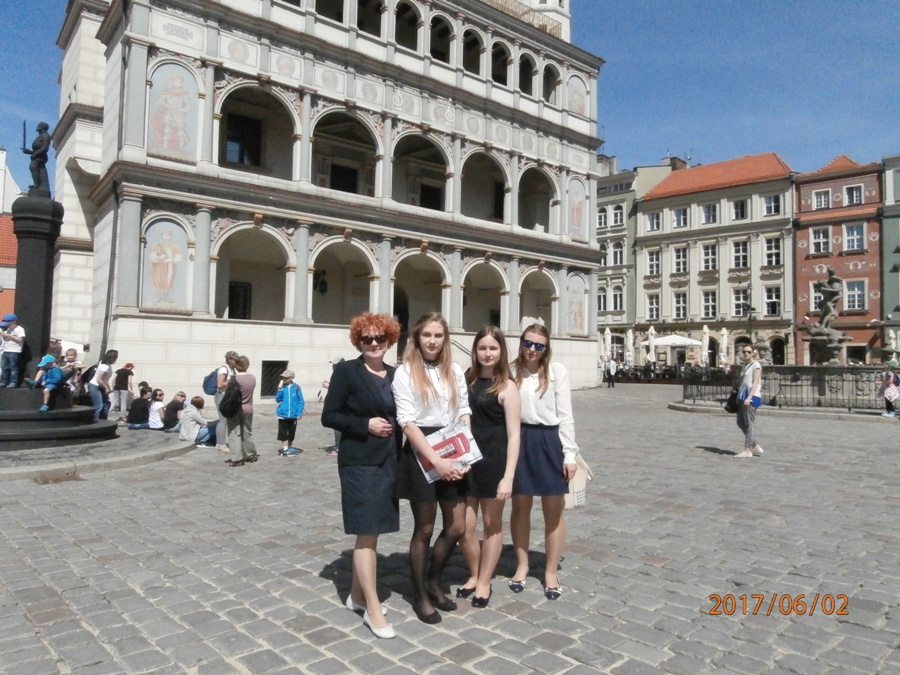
<point>385,633</point>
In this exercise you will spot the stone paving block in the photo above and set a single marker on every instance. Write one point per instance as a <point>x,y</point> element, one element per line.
<point>144,661</point>
<point>329,667</point>
<point>495,666</point>
<point>641,633</point>
<point>800,664</point>
<point>836,658</point>
<point>263,661</point>
<point>867,648</point>
<point>217,668</point>
<point>233,644</point>
<point>633,667</point>
<point>641,652</point>
<point>546,662</point>
<point>742,664</point>
<point>370,663</point>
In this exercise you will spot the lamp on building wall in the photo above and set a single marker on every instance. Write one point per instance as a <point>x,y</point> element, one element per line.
<point>319,282</point>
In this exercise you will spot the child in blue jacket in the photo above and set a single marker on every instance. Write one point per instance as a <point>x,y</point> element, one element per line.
<point>290,409</point>
<point>49,376</point>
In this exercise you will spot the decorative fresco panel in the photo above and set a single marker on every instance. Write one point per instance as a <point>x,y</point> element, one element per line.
<point>174,104</point>
<point>164,277</point>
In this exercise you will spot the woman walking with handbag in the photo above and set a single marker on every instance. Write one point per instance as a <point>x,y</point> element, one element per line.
<point>749,398</point>
<point>240,426</point>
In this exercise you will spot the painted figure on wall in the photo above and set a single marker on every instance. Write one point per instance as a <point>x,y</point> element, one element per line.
<point>164,278</point>
<point>577,96</point>
<point>576,305</point>
<point>577,211</point>
<point>172,113</point>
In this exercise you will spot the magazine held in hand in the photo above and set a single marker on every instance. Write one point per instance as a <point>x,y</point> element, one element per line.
<point>453,442</point>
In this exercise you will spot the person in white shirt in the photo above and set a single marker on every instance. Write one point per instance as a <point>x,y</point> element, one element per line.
<point>157,409</point>
<point>12,337</point>
<point>99,387</point>
<point>750,398</point>
<point>430,393</point>
<point>547,451</point>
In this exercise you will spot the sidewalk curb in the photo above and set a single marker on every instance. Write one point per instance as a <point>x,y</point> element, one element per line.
<point>71,469</point>
<point>776,412</point>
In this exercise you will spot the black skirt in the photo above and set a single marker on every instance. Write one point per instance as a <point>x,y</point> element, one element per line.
<point>412,485</point>
<point>367,497</point>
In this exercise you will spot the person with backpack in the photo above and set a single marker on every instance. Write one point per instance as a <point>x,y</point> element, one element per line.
<point>98,384</point>
<point>223,373</point>
<point>240,426</point>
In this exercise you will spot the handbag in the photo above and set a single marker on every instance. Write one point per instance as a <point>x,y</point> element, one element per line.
<point>230,405</point>
<point>577,494</point>
<point>731,405</point>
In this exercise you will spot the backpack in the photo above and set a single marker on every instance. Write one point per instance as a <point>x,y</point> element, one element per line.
<point>88,375</point>
<point>211,383</point>
<point>230,405</point>
<point>896,380</point>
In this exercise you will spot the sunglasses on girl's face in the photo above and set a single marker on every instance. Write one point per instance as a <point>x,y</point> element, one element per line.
<point>372,339</point>
<point>536,346</point>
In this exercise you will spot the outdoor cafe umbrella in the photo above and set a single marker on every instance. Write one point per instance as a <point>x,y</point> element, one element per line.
<point>651,344</point>
<point>629,346</point>
<point>723,346</point>
<point>607,341</point>
<point>704,346</point>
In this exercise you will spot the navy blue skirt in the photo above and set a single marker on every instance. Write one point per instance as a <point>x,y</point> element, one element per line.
<point>539,471</point>
<point>367,498</point>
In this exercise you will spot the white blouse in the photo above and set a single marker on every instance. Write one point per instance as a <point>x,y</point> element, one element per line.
<point>552,408</point>
<point>436,413</point>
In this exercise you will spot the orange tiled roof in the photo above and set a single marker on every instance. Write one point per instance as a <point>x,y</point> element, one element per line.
<point>731,172</point>
<point>837,165</point>
<point>861,211</point>
<point>9,245</point>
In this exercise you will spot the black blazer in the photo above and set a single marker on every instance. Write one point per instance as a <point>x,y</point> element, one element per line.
<point>352,400</point>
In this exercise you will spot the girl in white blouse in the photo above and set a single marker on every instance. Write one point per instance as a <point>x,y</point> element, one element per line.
<point>547,453</point>
<point>430,393</point>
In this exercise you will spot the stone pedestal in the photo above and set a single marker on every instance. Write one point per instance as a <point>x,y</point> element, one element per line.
<point>36,224</point>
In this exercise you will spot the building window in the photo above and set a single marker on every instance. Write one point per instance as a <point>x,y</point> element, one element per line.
<point>815,298</point>
<point>710,257</point>
<point>618,301</point>
<point>679,218</point>
<point>601,219</point>
<point>653,307</point>
<point>740,258</point>
<point>853,237</point>
<point>740,302</point>
<point>618,215</point>
<point>739,209</point>
<point>821,199</point>
<point>773,251</point>
<point>710,305</point>
<point>653,222</point>
<point>680,305</point>
<point>855,296</point>
<point>652,262</point>
<point>243,140</point>
<point>601,300</point>
<point>820,237</point>
<point>772,205</point>
<point>773,300</point>
<point>710,213</point>
<point>853,195</point>
<point>618,254</point>
<point>681,259</point>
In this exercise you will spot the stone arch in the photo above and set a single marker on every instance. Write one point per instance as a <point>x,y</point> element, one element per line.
<point>472,49</point>
<point>407,18</point>
<point>442,37</point>
<point>251,274</point>
<point>423,277</point>
<point>345,152</point>
<point>537,193</point>
<point>538,295</point>
<point>500,58</point>
<point>485,295</point>
<point>420,169</point>
<point>166,267</point>
<point>577,95</point>
<point>484,185</point>
<point>527,73</point>
<point>341,280</point>
<point>550,83</point>
<point>256,131</point>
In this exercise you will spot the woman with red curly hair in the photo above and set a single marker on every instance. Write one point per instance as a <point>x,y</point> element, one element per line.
<point>360,405</point>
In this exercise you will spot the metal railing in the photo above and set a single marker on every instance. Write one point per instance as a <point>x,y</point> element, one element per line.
<point>794,386</point>
<point>528,14</point>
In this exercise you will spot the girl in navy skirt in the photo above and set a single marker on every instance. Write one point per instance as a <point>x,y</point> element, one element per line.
<point>546,455</point>
<point>430,392</point>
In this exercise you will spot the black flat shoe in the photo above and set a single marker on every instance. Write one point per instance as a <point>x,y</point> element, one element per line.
<point>481,603</point>
<point>463,592</point>
<point>445,605</point>
<point>432,618</point>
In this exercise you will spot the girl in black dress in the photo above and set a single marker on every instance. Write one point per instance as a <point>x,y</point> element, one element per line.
<point>496,413</point>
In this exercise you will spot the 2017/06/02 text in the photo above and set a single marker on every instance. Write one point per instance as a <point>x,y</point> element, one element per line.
<point>782,603</point>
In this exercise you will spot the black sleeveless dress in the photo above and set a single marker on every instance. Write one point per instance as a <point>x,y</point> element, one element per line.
<point>489,430</point>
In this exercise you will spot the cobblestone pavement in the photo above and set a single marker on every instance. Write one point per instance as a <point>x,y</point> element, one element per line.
<point>189,566</point>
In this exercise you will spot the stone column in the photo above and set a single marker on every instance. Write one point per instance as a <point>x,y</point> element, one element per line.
<point>128,257</point>
<point>385,285</point>
<point>301,278</point>
<point>512,321</point>
<point>592,308</point>
<point>209,103</point>
<point>202,227</point>
<point>456,290</point>
<point>36,224</point>
<point>306,139</point>
<point>133,107</point>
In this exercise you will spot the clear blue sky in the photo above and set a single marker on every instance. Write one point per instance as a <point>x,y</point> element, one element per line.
<point>713,79</point>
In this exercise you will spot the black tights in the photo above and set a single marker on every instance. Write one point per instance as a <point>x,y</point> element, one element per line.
<point>426,576</point>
